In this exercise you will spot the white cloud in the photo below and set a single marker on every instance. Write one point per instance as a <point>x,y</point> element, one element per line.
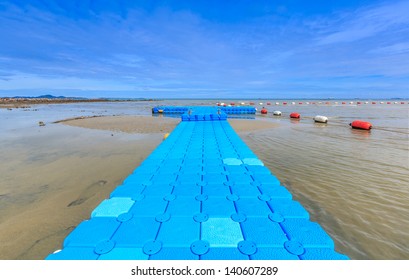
<point>368,22</point>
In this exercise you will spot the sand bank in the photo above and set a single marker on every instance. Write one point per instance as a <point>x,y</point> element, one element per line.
<point>128,124</point>
<point>148,124</point>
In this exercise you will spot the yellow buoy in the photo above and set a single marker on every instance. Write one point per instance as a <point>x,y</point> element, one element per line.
<point>165,136</point>
<point>160,111</point>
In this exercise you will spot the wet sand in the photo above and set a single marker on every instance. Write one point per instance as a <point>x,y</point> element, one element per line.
<point>61,172</point>
<point>147,124</point>
<point>128,124</point>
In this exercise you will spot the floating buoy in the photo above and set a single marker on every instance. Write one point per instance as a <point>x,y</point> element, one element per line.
<point>263,111</point>
<point>277,113</point>
<point>361,125</point>
<point>251,103</point>
<point>268,103</point>
<point>321,119</point>
<point>165,136</point>
<point>295,115</point>
<point>160,111</point>
<point>284,103</point>
<point>232,103</point>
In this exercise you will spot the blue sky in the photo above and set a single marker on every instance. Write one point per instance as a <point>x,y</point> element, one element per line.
<point>205,49</point>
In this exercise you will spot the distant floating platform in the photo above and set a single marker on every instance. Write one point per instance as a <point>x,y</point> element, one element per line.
<point>203,110</point>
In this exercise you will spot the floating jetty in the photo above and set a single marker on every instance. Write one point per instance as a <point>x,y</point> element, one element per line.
<point>204,110</point>
<point>202,194</point>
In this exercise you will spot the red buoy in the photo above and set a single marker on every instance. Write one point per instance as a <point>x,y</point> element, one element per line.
<point>263,111</point>
<point>268,103</point>
<point>361,125</point>
<point>295,115</point>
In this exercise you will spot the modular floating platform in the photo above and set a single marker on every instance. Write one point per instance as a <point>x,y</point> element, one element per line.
<point>202,194</point>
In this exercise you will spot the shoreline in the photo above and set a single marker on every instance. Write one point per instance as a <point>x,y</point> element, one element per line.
<point>11,102</point>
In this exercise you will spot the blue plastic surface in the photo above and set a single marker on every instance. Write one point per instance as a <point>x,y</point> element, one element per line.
<point>221,232</point>
<point>113,207</point>
<point>202,194</point>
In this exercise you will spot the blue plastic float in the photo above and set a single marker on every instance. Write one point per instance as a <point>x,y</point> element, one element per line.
<point>201,195</point>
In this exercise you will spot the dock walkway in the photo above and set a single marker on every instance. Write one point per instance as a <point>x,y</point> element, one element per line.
<point>202,194</point>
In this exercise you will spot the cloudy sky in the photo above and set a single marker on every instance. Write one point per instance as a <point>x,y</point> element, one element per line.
<point>203,49</point>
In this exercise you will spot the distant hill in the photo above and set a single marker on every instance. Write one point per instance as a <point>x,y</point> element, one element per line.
<point>49,96</point>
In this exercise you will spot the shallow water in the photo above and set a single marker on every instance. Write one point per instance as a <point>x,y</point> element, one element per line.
<point>354,183</point>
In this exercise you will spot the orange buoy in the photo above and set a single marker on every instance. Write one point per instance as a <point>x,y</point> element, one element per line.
<point>361,125</point>
<point>263,111</point>
<point>295,115</point>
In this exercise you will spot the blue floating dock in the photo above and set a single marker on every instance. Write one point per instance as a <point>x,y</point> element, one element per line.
<point>201,195</point>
